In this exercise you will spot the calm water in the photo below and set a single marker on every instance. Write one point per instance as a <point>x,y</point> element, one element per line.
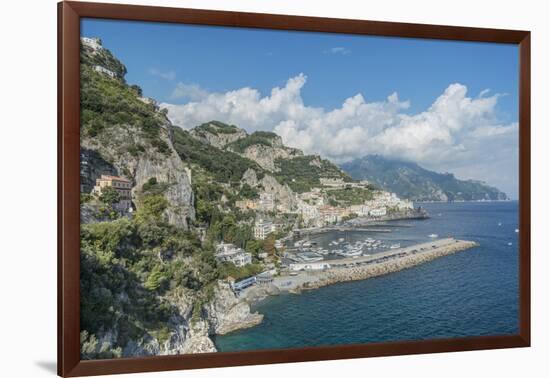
<point>470,293</point>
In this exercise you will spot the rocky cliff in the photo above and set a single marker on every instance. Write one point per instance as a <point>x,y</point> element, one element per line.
<point>217,134</point>
<point>226,313</point>
<point>126,136</point>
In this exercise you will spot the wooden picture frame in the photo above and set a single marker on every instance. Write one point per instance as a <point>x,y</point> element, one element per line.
<point>69,15</point>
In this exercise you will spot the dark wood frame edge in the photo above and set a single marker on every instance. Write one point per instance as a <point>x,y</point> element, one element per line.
<point>69,14</point>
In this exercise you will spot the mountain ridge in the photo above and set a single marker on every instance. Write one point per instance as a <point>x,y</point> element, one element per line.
<point>410,180</point>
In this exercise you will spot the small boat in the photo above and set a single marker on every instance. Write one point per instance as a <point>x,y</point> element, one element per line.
<point>395,246</point>
<point>516,230</point>
<point>500,223</point>
<point>509,243</point>
<point>433,236</point>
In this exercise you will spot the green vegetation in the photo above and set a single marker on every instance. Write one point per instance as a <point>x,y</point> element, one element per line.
<point>349,196</point>
<point>109,196</point>
<point>130,266</point>
<point>109,103</point>
<point>217,127</point>
<point>224,166</point>
<point>103,58</point>
<point>258,137</point>
<point>230,270</point>
<point>302,176</point>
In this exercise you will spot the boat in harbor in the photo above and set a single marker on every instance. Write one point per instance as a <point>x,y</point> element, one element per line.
<point>350,253</point>
<point>309,257</point>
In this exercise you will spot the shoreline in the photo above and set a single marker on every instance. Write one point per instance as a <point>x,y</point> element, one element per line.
<point>349,269</point>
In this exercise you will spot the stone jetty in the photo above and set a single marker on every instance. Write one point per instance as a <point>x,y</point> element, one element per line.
<point>364,267</point>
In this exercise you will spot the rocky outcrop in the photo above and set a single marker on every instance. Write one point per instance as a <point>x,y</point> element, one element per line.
<point>266,156</point>
<point>217,134</point>
<point>114,147</point>
<point>226,313</point>
<point>250,178</point>
<point>282,194</point>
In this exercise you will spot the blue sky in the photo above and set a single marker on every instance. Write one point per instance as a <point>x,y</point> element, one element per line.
<point>212,61</point>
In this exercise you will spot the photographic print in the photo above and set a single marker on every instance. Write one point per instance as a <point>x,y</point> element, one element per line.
<point>254,189</point>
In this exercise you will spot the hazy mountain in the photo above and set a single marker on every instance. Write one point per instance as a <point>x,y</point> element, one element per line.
<point>409,180</point>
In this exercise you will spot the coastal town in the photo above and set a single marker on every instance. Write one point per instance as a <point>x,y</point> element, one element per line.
<point>295,257</point>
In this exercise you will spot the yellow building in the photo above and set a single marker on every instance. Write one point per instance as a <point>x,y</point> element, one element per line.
<point>246,204</point>
<point>121,185</point>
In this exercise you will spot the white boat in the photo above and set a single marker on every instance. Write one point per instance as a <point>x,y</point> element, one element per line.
<point>351,253</point>
<point>433,236</point>
<point>516,230</point>
<point>395,246</point>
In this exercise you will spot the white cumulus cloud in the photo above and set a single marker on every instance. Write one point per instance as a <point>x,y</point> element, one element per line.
<point>457,133</point>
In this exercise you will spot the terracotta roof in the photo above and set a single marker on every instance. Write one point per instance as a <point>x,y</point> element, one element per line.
<point>117,178</point>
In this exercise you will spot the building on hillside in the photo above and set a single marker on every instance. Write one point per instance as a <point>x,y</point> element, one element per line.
<point>360,210</point>
<point>307,211</point>
<point>264,278</point>
<point>93,43</point>
<point>105,71</point>
<point>226,252</point>
<point>378,212</point>
<point>405,205</point>
<point>122,186</point>
<point>262,228</point>
<point>246,204</point>
<point>330,214</point>
<point>242,284</point>
<point>332,182</point>
<point>266,202</point>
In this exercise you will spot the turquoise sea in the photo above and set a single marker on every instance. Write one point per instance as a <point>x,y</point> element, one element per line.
<point>471,293</point>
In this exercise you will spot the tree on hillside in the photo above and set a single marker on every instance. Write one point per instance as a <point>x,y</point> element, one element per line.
<point>109,196</point>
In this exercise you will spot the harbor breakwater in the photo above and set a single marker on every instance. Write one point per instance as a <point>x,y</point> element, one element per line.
<point>361,268</point>
<point>404,260</point>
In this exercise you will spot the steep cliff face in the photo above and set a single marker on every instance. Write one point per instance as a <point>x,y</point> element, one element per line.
<point>124,135</point>
<point>226,313</point>
<point>182,335</point>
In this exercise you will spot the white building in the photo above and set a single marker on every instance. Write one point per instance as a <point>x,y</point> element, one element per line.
<point>378,212</point>
<point>105,71</point>
<point>266,202</point>
<point>93,43</point>
<point>360,210</point>
<point>309,266</point>
<point>226,252</point>
<point>262,228</point>
<point>307,211</point>
<point>405,205</point>
<point>332,182</point>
